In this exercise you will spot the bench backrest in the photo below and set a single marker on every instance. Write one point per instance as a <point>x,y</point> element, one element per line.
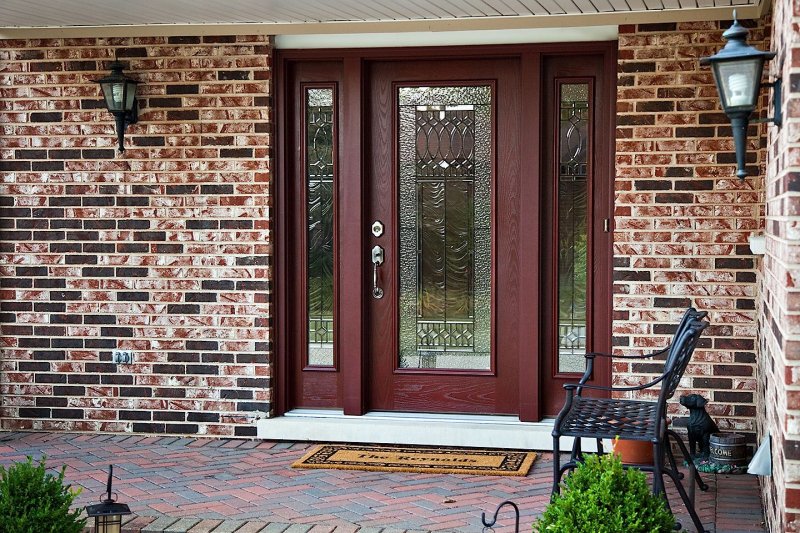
<point>678,357</point>
<point>690,314</point>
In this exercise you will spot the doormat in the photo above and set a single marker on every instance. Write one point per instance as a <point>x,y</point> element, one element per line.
<point>426,460</point>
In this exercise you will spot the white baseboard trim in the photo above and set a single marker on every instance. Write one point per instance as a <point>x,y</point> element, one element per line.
<point>473,431</point>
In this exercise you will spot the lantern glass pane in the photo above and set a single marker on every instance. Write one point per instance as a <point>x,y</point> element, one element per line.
<point>108,94</point>
<point>130,95</point>
<point>738,82</point>
<point>108,523</point>
<point>114,93</point>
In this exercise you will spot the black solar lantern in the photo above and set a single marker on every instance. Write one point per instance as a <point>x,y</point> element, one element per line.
<point>119,92</point>
<point>737,72</point>
<point>108,514</point>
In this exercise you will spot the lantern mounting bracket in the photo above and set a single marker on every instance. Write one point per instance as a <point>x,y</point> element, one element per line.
<point>777,94</point>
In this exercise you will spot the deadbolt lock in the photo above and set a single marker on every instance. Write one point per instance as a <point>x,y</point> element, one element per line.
<point>377,228</point>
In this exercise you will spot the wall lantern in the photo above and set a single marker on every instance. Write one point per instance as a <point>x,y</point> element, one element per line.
<point>108,514</point>
<point>737,73</point>
<point>119,92</point>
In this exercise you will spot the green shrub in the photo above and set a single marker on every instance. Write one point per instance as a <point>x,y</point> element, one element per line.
<point>33,501</point>
<point>600,496</point>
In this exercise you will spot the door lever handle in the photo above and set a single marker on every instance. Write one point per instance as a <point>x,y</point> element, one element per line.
<point>377,260</point>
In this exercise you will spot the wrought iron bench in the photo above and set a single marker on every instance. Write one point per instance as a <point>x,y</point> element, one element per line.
<point>610,418</point>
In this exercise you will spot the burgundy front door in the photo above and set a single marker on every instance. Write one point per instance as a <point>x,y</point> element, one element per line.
<point>443,176</point>
<point>441,239</point>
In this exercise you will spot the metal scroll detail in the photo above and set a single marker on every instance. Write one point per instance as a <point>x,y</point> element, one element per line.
<point>490,523</point>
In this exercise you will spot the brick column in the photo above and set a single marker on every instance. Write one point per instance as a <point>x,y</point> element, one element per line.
<point>682,218</point>
<point>779,320</point>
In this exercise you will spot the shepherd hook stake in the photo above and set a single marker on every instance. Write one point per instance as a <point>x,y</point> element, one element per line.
<point>108,483</point>
<point>496,511</point>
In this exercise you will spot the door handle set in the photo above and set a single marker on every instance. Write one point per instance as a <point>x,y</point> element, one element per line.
<point>377,260</point>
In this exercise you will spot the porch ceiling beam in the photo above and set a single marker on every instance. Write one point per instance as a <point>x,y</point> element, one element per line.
<point>396,26</point>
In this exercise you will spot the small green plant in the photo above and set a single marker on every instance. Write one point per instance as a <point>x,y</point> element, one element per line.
<point>33,501</point>
<point>601,496</point>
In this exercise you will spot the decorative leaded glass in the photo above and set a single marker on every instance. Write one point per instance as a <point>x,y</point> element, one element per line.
<point>319,120</point>
<point>573,227</point>
<point>445,233</point>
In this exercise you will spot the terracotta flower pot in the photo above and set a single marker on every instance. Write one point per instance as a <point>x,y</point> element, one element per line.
<point>634,451</point>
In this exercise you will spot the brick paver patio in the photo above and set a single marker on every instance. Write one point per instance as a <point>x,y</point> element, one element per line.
<point>204,485</point>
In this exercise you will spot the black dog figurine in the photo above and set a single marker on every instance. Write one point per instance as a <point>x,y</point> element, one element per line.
<point>700,425</point>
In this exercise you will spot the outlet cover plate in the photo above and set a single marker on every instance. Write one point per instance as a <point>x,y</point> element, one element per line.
<point>123,357</point>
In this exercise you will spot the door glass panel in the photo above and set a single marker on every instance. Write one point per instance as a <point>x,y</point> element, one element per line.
<point>319,165</point>
<point>573,204</point>
<point>445,167</point>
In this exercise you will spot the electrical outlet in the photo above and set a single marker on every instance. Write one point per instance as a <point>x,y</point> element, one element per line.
<point>124,357</point>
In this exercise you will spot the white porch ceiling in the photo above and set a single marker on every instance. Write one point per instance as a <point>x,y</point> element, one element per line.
<point>25,17</point>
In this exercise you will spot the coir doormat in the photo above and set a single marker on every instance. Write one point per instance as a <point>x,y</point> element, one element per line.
<point>428,460</point>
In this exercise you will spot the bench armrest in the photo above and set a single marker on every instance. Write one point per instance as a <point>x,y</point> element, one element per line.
<point>645,356</point>
<point>579,386</point>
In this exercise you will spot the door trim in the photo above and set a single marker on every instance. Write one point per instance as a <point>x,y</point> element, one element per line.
<point>281,309</point>
<point>530,231</point>
<point>351,169</point>
<point>448,38</point>
<point>352,243</point>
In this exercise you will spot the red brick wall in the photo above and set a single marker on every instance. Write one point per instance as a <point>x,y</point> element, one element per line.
<point>164,250</point>
<point>682,218</point>
<point>779,321</point>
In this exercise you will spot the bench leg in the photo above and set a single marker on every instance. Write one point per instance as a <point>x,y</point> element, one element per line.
<point>686,501</point>
<point>556,466</point>
<point>577,452</point>
<point>688,457</point>
<point>658,468</point>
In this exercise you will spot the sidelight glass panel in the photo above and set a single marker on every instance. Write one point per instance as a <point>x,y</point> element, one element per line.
<point>573,227</point>
<point>445,233</point>
<point>319,165</point>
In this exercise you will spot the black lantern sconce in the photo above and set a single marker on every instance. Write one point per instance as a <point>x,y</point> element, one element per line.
<point>737,72</point>
<point>119,92</point>
<point>108,514</point>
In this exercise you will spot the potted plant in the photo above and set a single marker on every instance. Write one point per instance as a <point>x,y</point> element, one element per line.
<point>639,452</point>
<point>601,496</point>
<point>31,500</point>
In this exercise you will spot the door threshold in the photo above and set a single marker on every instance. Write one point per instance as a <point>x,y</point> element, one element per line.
<point>470,431</point>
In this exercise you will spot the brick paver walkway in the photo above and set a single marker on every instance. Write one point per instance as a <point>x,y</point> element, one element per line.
<point>204,485</point>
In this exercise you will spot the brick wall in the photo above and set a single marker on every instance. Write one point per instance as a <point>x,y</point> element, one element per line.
<point>682,218</point>
<point>164,250</point>
<point>779,321</point>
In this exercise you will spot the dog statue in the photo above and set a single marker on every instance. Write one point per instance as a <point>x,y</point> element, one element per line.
<point>700,425</point>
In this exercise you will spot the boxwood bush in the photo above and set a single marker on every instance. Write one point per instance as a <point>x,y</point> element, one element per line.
<point>34,501</point>
<point>601,496</point>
